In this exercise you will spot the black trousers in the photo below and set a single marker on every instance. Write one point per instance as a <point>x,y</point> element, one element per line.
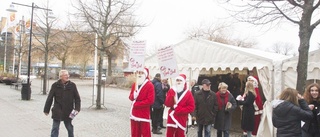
<point>155,117</point>
<point>161,116</point>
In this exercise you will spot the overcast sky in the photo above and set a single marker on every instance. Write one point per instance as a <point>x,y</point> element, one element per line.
<point>168,21</point>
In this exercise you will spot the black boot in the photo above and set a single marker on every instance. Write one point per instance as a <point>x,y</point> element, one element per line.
<point>161,126</point>
<point>156,131</point>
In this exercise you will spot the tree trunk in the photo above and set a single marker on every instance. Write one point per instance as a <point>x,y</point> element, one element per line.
<point>305,32</point>
<point>98,101</point>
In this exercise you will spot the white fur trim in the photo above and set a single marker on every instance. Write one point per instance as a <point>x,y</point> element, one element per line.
<point>181,78</point>
<point>255,81</point>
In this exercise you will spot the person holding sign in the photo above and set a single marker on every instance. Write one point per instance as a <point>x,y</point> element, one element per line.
<point>142,97</point>
<point>180,101</point>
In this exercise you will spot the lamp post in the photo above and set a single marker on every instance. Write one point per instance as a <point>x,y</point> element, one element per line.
<point>26,89</point>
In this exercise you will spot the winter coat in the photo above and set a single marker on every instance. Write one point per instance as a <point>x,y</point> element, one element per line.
<point>247,120</point>
<point>66,98</point>
<point>223,118</point>
<point>312,126</point>
<point>158,96</point>
<point>140,107</point>
<point>205,108</point>
<point>180,108</point>
<point>287,117</point>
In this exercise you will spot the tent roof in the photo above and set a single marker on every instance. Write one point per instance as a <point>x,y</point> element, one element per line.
<point>313,61</point>
<point>198,53</point>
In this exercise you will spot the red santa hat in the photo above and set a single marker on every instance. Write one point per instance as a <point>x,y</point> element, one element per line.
<point>146,72</point>
<point>255,81</point>
<point>183,78</point>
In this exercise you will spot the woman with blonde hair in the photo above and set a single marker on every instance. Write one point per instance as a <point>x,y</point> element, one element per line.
<point>247,100</point>
<point>226,105</point>
<point>311,95</point>
<point>288,111</point>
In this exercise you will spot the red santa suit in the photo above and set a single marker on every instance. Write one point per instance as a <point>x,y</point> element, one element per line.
<point>142,98</point>
<point>258,106</point>
<point>180,107</point>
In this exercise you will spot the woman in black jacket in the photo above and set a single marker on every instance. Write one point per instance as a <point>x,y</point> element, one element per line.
<point>288,112</point>
<point>247,100</point>
<point>311,95</point>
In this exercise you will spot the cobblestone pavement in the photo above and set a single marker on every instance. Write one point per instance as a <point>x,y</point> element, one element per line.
<point>20,118</point>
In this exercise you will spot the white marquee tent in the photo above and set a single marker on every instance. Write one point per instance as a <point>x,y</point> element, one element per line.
<point>194,55</point>
<point>289,69</point>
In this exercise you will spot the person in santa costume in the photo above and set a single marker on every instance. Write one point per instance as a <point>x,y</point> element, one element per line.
<point>142,97</point>
<point>180,101</point>
<point>258,105</point>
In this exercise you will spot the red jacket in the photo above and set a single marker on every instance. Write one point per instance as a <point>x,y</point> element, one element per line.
<point>178,114</point>
<point>140,108</point>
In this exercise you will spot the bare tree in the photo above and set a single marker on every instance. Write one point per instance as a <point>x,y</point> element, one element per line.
<point>282,48</point>
<point>272,12</point>
<point>111,20</point>
<point>218,33</point>
<point>42,35</point>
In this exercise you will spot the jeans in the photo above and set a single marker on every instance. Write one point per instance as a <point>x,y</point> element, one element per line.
<point>249,133</point>
<point>225,133</point>
<point>56,125</point>
<point>207,130</point>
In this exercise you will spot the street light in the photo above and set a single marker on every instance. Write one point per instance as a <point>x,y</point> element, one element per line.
<point>26,89</point>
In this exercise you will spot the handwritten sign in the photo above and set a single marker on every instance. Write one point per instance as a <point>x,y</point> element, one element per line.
<point>137,54</point>
<point>167,62</point>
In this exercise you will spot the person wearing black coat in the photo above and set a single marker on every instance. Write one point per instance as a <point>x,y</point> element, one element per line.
<point>194,87</point>
<point>247,100</point>
<point>288,111</point>
<point>66,99</point>
<point>311,127</point>
<point>157,105</point>
<point>206,108</point>
<point>165,89</point>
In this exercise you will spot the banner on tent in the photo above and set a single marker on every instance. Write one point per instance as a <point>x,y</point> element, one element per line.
<point>137,54</point>
<point>167,62</point>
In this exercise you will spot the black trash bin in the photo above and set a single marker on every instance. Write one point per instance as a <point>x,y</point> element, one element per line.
<point>25,91</point>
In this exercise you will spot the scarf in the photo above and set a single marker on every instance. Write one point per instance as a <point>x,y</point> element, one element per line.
<point>225,96</point>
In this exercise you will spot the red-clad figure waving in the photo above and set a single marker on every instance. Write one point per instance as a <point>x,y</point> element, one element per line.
<point>142,97</point>
<point>180,101</point>
<point>258,104</point>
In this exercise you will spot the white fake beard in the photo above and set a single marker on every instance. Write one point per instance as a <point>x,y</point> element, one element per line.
<point>179,87</point>
<point>141,79</point>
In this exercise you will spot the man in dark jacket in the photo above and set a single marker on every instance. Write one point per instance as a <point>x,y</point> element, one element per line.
<point>194,87</point>
<point>165,89</point>
<point>67,103</point>
<point>206,107</point>
<point>157,105</point>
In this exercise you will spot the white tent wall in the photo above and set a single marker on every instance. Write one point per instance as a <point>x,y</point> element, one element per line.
<point>194,55</point>
<point>289,69</point>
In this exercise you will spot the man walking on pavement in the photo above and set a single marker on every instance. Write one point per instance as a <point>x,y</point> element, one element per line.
<point>67,103</point>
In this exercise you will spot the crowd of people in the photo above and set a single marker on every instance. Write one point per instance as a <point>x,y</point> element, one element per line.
<point>208,109</point>
<point>293,115</point>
